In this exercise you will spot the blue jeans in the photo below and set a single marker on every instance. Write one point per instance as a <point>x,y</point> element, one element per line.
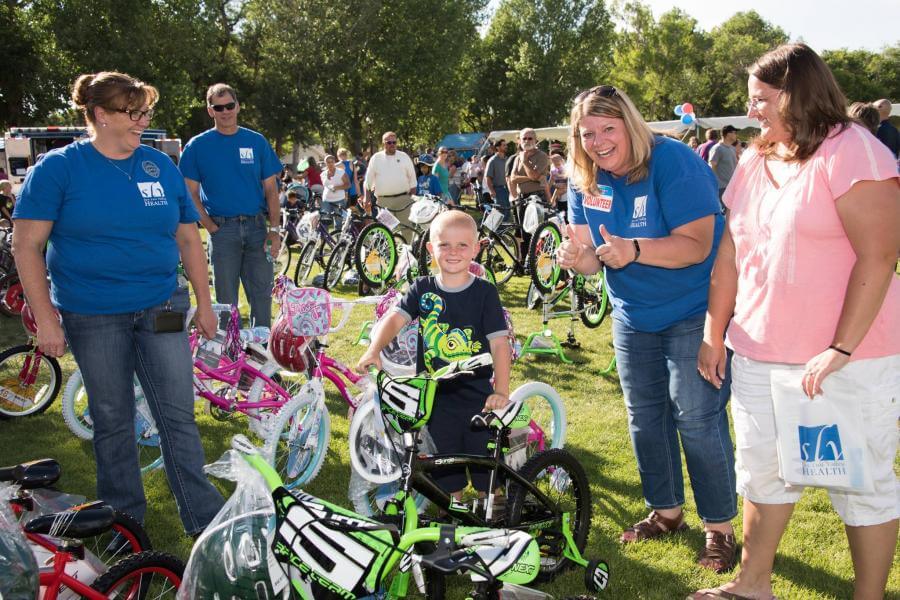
<point>501,198</point>
<point>666,398</point>
<point>238,254</point>
<point>335,209</point>
<point>110,350</point>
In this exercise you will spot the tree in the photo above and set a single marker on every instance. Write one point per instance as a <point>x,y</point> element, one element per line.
<point>866,76</point>
<point>536,56</point>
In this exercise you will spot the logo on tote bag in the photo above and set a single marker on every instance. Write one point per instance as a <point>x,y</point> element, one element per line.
<point>820,449</point>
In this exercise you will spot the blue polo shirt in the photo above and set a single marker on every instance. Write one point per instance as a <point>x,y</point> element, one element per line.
<point>112,247</point>
<point>230,170</point>
<point>680,188</point>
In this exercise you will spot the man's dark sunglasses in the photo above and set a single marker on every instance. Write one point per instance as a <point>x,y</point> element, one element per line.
<point>604,91</point>
<point>223,107</point>
<point>391,142</point>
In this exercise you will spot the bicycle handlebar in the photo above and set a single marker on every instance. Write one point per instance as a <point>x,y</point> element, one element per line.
<point>346,310</point>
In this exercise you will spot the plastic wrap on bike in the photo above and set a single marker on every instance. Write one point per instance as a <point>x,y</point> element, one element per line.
<point>48,501</point>
<point>232,558</point>
<point>18,567</point>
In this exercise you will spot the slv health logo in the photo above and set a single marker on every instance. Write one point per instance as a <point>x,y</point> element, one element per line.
<point>246,156</point>
<point>153,193</point>
<point>821,451</point>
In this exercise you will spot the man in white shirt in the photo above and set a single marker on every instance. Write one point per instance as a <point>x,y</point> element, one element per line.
<point>391,179</point>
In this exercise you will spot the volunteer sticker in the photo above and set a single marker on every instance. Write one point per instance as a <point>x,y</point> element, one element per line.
<point>602,202</point>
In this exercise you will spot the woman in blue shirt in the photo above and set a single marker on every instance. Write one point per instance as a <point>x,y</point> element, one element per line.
<point>118,217</point>
<point>646,209</point>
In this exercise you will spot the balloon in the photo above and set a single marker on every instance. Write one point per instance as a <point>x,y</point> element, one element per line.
<point>679,110</point>
<point>687,119</point>
<point>687,107</point>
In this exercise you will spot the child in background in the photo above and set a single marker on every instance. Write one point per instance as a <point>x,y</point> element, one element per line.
<point>459,316</point>
<point>427,182</point>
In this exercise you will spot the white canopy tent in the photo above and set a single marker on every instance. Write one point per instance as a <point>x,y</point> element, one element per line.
<point>675,127</point>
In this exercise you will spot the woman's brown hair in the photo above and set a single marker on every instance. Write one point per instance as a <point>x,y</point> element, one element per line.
<point>111,91</point>
<point>811,103</point>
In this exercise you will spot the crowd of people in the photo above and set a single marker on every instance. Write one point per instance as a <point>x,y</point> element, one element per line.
<point>781,251</point>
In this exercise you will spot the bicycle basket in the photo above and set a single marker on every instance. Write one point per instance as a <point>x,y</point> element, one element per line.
<point>423,211</point>
<point>405,402</point>
<point>493,219</point>
<point>534,216</point>
<point>307,309</point>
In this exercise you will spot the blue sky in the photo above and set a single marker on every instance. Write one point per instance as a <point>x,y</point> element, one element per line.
<point>823,24</point>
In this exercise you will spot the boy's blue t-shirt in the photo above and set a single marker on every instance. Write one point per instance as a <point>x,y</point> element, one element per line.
<point>112,247</point>
<point>428,184</point>
<point>455,324</point>
<point>230,170</point>
<point>680,188</point>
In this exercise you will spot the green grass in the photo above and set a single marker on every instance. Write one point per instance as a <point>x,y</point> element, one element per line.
<point>813,559</point>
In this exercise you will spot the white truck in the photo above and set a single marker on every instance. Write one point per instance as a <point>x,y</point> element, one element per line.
<point>23,146</point>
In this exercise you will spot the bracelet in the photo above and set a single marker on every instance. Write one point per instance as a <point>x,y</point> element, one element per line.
<point>637,249</point>
<point>840,350</point>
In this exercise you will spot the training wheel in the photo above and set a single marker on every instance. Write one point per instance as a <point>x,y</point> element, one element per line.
<point>596,575</point>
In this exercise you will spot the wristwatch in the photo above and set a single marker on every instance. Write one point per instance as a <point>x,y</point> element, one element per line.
<point>276,229</point>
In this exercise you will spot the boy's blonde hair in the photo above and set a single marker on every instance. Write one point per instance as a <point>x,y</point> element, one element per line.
<point>453,218</point>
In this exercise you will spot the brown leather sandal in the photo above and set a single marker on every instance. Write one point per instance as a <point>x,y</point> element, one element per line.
<point>720,552</point>
<point>652,527</point>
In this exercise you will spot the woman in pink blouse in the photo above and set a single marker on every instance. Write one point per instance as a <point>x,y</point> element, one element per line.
<point>805,275</point>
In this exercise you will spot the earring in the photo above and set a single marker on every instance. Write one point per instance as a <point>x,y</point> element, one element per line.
<point>102,124</point>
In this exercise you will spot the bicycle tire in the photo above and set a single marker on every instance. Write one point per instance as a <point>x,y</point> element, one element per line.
<point>12,295</point>
<point>501,257</point>
<point>74,407</point>
<point>19,399</point>
<point>153,574</point>
<point>305,262</point>
<point>300,464</point>
<point>337,262</point>
<point>563,470</point>
<point>424,258</point>
<point>135,539</point>
<point>542,257</point>
<point>593,317</point>
<point>538,394</point>
<point>282,263</point>
<point>375,238</point>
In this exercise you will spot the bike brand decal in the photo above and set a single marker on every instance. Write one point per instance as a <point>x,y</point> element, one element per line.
<point>523,568</point>
<point>150,168</point>
<point>602,202</point>
<point>445,461</point>
<point>600,576</point>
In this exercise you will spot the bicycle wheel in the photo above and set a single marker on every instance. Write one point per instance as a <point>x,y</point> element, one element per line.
<point>12,296</point>
<point>282,262</point>
<point>375,454</point>
<point>502,257</point>
<point>337,262</point>
<point>425,259</point>
<point>548,416</point>
<point>542,257</point>
<point>298,440</point>
<point>144,575</point>
<point>375,255</point>
<point>305,263</point>
<point>561,478</point>
<point>29,382</point>
<point>593,302</point>
<point>77,416</point>
<point>127,536</point>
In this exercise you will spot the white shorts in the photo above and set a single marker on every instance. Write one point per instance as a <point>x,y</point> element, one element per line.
<point>756,459</point>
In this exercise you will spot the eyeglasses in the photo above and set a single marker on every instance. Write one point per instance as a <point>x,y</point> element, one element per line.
<point>753,103</point>
<point>527,138</point>
<point>223,107</point>
<point>390,142</point>
<point>136,115</point>
<point>604,91</point>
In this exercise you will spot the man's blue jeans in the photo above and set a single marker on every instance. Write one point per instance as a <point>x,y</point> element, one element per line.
<point>501,198</point>
<point>110,350</point>
<point>666,398</point>
<point>238,255</point>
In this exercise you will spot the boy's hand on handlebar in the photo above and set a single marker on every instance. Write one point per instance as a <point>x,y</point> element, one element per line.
<point>496,401</point>
<point>367,360</point>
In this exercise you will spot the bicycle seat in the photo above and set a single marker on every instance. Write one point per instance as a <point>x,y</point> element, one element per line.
<point>39,473</point>
<point>82,521</point>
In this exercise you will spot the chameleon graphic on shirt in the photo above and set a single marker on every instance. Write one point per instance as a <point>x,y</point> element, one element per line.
<point>438,342</point>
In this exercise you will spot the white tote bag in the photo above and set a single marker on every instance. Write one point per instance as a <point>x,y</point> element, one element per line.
<point>821,442</point>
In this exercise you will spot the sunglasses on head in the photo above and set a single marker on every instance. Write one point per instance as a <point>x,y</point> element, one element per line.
<point>604,91</point>
<point>223,107</point>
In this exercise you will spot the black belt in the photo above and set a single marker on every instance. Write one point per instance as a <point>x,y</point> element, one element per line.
<point>238,217</point>
<point>394,195</point>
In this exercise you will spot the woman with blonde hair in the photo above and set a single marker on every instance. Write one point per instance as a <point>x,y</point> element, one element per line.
<point>645,208</point>
<point>804,280</point>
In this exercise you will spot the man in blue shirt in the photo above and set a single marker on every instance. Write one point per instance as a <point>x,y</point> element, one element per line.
<point>231,173</point>
<point>887,133</point>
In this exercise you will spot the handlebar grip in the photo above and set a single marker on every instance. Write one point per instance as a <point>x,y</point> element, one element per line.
<point>482,421</point>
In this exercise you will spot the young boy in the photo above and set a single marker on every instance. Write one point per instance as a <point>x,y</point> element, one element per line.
<point>459,316</point>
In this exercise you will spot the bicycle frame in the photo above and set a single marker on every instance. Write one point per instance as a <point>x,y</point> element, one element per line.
<point>52,581</point>
<point>230,374</point>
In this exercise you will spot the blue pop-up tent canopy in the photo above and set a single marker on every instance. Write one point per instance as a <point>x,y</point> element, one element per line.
<point>465,144</point>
